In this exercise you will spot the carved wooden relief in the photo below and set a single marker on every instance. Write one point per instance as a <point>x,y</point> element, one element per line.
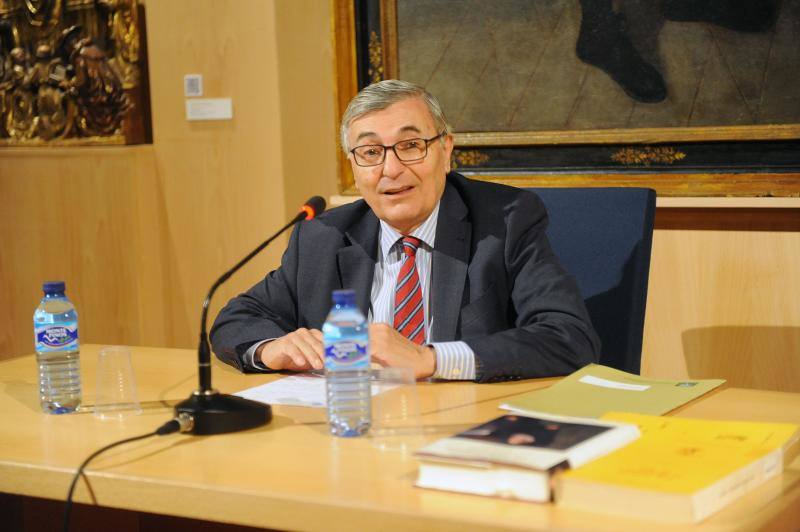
<point>73,72</point>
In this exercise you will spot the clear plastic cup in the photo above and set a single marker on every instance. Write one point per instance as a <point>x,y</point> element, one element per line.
<point>396,418</point>
<point>116,395</point>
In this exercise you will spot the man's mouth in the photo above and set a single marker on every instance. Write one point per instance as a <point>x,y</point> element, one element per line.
<point>397,191</point>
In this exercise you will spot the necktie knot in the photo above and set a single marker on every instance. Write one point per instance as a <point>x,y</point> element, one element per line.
<point>410,245</point>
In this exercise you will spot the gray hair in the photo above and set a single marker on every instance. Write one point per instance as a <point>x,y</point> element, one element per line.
<point>381,95</point>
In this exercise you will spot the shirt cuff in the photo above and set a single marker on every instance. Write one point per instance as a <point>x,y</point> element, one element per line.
<point>249,357</point>
<point>454,361</point>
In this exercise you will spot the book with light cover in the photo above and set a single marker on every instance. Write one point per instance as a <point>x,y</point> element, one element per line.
<point>595,389</point>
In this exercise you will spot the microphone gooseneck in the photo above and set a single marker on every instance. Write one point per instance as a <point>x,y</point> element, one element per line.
<point>210,411</point>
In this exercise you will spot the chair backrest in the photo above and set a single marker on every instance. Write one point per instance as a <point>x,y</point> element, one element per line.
<point>603,237</point>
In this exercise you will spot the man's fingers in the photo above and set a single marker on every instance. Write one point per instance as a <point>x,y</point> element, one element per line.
<point>313,338</point>
<point>300,350</point>
<point>297,357</point>
<point>317,343</point>
<point>378,356</point>
<point>310,347</point>
<point>286,359</point>
<point>288,352</point>
<point>318,349</point>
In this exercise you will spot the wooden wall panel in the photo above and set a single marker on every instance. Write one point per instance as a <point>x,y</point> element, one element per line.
<point>307,98</point>
<point>150,227</point>
<point>140,233</point>
<point>724,302</point>
<point>222,180</point>
<point>92,217</point>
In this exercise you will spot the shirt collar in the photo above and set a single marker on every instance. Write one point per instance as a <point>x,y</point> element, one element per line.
<point>426,232</point>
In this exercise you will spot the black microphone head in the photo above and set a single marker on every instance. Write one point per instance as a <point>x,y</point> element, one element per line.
<point>313,207</point>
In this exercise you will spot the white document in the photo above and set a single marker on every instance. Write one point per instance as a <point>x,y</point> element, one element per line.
<point>297,390</point>
<point>605,383</point>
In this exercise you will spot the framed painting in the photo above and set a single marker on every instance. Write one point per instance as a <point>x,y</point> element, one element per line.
<point>690,97</point>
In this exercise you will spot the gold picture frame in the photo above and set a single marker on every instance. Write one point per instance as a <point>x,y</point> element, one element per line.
<point>664,158</point>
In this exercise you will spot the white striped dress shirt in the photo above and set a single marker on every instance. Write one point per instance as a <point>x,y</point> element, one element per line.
<point>454,360</point>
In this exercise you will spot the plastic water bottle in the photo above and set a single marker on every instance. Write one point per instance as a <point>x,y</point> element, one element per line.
<point>347,385</point>
<point>55,326</point>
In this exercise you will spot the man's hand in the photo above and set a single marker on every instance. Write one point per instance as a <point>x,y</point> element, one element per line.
<point>300,350</point>
<point>388,347</point>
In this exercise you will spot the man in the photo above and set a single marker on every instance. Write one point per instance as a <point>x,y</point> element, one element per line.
<point>489,300</point>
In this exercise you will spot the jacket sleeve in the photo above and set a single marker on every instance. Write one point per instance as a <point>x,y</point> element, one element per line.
<point>550,332</point>
<point>267,310</point>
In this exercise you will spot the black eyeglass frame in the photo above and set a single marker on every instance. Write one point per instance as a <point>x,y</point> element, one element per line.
<point>392,147</point>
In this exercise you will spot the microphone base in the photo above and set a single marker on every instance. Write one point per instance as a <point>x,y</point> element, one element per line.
<point>216,413</point>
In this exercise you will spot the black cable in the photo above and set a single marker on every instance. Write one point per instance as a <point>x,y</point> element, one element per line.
<point>169,427</point>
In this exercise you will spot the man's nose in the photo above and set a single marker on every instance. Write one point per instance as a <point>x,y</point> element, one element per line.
<point>392,166</point>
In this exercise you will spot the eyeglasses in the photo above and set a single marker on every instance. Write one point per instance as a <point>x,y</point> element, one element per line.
<point>407,151</point>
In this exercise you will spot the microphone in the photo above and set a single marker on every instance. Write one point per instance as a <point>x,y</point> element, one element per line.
<point>313,207</point>
<point>207,411</point>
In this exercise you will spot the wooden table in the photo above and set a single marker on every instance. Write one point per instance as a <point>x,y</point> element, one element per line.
<point>291,474</point>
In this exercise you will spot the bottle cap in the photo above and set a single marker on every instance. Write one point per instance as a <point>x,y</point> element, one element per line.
<point>53,287</point>
<point>344,297</point>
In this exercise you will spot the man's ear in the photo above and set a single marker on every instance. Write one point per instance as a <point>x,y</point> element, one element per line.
<point>355,180</point>
<point>353,169</point>
<point>448,152</point>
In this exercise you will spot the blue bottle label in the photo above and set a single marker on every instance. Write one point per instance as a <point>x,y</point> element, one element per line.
<point>347,355</point>
<point>57,337</point>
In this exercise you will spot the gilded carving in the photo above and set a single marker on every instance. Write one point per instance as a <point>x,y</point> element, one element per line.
<point>66,67</point>
<point>124,31</point>
<point>468,158</point>
<point>375,58</point>
<point>647,155</point>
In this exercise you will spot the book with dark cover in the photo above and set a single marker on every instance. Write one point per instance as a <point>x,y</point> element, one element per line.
<point>514,456</point>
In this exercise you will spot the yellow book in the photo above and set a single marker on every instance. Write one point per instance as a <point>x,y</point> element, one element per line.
<point>595,389</point>
<point>680,470</point>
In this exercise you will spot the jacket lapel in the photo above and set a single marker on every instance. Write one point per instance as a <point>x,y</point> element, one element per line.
<point>356,260</point>
<point>449,265</point>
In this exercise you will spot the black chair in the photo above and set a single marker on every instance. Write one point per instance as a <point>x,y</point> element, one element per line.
<point>603,236</point>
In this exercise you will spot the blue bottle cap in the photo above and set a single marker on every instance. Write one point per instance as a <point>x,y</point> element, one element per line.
<point>344,297</point>
<point>53,287</point>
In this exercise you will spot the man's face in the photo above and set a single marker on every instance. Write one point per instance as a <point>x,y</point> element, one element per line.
<point>403,194</point>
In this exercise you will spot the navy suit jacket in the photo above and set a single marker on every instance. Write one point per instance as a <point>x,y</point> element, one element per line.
<point>495,284</point>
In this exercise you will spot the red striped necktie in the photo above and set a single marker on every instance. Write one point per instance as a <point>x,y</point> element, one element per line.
<point>409,314</point>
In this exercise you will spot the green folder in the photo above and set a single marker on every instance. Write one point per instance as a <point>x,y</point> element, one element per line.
<point>594,390</point>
